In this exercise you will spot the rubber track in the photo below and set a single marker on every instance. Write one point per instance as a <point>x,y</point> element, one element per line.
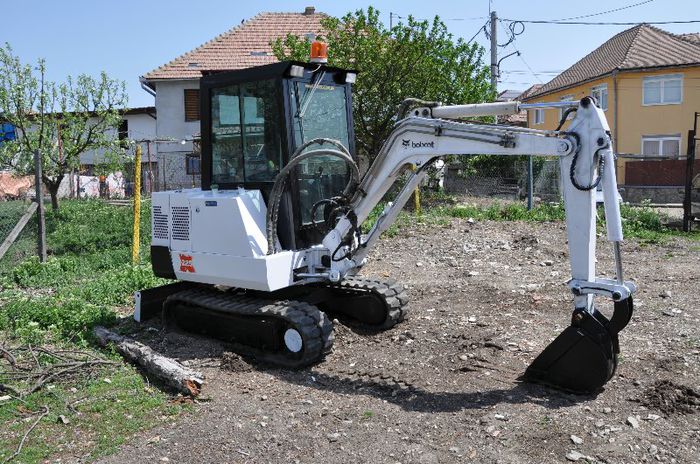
<point>392,293</point>
<point>315,327</point>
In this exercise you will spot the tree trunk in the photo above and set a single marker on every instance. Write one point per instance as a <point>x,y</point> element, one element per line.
<point>171,372</point>
<point>53,185</point>
<point>54,197</point>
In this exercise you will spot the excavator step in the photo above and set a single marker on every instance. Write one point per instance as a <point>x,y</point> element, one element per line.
<point>286,333</point>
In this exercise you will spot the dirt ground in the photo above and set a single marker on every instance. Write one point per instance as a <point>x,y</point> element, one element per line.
<point>486,298</point>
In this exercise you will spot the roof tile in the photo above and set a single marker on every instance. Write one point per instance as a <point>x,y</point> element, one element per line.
<point>642,46</point>
<point>243,46</point>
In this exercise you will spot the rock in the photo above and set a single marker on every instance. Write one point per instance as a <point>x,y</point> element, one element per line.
<point>470,220</point>
<point>500,417</point>
<point>464,357</point>
<point>490,429</point>
<point>665,294</point>
<point>454,449</point>
<point>574,456</point>
<point>107,380</point>
<point>633,421</point>
<point>5,398</point>
<point>419,264</point>
<point>473,273</point>
<point>547,262</point>
<point>164,459</point>
<point>607,410</point>
<point>653,417</point>
<point>653,449</point>
<point>332,437</point>
<point>576,440</point>
<point>471,319</point>
<point>62,420</point>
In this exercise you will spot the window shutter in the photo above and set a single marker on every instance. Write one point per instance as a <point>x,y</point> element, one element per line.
<point>191,104</point>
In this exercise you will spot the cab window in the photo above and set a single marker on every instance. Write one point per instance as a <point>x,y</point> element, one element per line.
<point>246,140</point>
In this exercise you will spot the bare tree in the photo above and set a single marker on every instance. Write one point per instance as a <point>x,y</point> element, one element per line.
<point>61,121</point>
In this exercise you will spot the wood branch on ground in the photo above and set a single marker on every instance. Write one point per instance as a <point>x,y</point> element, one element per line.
<point>168,370</point>
<point>27,369</point>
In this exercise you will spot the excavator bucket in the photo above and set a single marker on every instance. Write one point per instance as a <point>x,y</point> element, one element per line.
<point>584,356</point>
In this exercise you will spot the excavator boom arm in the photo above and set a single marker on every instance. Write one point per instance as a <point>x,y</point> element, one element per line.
<point>586,160</point>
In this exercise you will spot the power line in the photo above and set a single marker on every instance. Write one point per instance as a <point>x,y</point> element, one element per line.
<point>482,28</point>
<point>395,15</point>
<point>605,12</point>
<point>587,23</point>
<point>520,55</point>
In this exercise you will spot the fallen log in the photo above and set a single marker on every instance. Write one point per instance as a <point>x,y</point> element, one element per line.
<point>168,370</point>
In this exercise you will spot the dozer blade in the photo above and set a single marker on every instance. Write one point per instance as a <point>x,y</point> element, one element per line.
<point>584,356</point>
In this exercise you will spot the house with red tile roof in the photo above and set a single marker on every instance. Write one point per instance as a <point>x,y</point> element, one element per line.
<point>647,81</point>
<point>175,85</point>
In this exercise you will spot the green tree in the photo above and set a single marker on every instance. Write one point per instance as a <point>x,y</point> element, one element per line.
<point>418,59</point>
<point>60,121</point>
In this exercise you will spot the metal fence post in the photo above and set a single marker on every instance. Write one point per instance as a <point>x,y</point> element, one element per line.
<point>41,238</point>
<point>137,206</point>
<point>529,182</point>
<point>690,164</point>
<point>416,195</point>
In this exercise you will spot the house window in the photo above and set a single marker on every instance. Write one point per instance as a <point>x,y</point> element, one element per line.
<point>123,133</point>
<point>566,98</point>
<point>538,116</point>
<point>192,164</point>
<point>600,93</point>
<point>661,145</point>
<point>663,90</point>
<point>191,105</point>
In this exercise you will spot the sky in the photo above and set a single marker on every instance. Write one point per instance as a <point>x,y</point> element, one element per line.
<point>128,38</point>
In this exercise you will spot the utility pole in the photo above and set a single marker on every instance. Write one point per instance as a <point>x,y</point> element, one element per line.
<point>494,51</point>
<point>41,238</point>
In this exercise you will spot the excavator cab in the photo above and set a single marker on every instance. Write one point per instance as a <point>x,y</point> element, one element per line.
<point>254,119</point>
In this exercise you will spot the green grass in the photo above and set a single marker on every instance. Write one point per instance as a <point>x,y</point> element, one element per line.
<point>107,414</point>
<point>642,223</point>
<point>87,279</point>
<point>88,274</point>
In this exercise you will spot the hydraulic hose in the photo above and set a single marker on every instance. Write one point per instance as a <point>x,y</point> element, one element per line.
<point>281,180</point>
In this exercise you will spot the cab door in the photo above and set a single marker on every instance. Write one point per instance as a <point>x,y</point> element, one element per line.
<point>320,108</point>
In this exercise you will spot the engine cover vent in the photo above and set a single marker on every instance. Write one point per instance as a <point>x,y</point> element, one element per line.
<point>181,222</point>
<point>160,223</point>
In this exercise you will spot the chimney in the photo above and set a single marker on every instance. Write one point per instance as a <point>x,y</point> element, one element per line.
<point>309,10</point>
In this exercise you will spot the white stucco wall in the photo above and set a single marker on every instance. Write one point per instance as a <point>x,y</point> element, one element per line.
<point>141,127</point>
<point>171,124</point>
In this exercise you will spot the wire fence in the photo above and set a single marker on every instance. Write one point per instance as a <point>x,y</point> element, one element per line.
<point>18,240</point>
<point>504,179</point>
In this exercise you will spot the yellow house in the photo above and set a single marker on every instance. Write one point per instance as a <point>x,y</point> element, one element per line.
<point>648,82</point>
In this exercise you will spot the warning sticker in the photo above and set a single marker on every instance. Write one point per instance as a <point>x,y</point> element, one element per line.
<point>186,263</point>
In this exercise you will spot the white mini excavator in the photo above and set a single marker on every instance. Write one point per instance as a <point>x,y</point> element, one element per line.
<point>273,240</point>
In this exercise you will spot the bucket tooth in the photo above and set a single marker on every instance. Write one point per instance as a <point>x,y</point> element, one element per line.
<point>584,356</point>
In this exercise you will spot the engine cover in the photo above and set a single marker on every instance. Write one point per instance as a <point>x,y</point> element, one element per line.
<point>219,238</point>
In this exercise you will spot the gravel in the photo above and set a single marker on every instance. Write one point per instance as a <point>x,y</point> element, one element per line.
<point>441,395</point>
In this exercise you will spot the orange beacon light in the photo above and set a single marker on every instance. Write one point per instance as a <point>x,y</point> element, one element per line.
<point>319,52</point>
